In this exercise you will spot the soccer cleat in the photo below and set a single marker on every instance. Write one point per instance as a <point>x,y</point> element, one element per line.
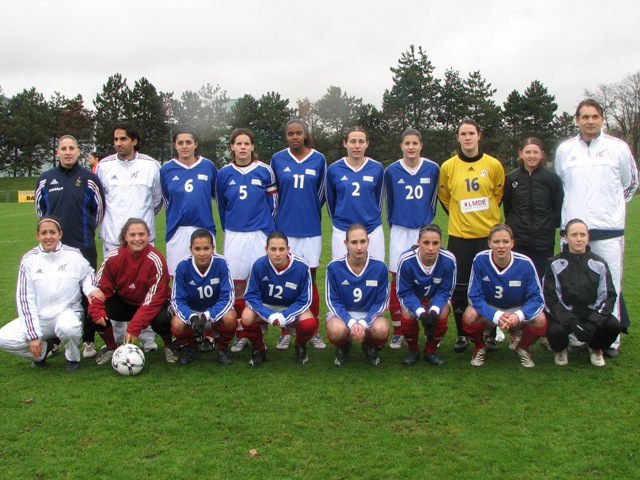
<point>526,359</point>
<point>104,355</point>
<point>239,344</point>
<point>283,342</point>
<point>54,350</point>
<point>490,343</point>
<point>187,355</point>
<point>149,346</point>
<point>224,357</point>
<point>316,342</point>
<point>371,353</point>
<point>461,344</point>
<point>71,366</point>
<point>170,355</point>
<point>596,358</point>
<point>514,341</point>
<point>410,358</point>
<point>477,357</point>
<point>301,355</point>
<point>562,358</point>
<point>89,350</point>
<point>396,342</point>
<point>544,341</point>
<point>611,352</point>
<point>341,357</point>
<point>434,359</point>
<point>258,357</point>
<point>207,345</point>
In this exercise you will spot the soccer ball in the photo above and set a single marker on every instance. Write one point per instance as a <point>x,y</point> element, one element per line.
<point>128,359</point>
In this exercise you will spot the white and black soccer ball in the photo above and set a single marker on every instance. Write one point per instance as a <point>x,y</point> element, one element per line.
<point>128,359</point>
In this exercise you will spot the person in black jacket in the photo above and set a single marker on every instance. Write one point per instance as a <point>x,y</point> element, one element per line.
<point>532,205</point>
<point>580,297</point>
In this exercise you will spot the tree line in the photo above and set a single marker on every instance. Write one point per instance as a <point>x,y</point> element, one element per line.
<point>30,124</point>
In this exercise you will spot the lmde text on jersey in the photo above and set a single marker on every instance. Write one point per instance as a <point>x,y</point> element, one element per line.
<point>474,204</point>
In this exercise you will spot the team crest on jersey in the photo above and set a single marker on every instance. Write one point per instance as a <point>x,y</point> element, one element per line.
<point>78,182</point>
<point>202,176</point>
<point>515,283</point>
<point>401,181</point>
<point>175,177</point>
<point>345,282</point>
<point>232,182</point>
<point>192,283</point>
<point>372,283</point>
<point>486,279</point>
<point>62,268</point>
<point>600,154</point>
<point>135,174</point>
<point>344,177</point>
<point>287,169</point>
<point>310,171</point>
<point>484,173</point>
<point>425,180</point>
<point>54,182</point>
<point>437,280</point>
<point>514,184</point>
<point>291,285</point>
<point>214,281</point>
<point>256,181</point>
<point>132,286</point>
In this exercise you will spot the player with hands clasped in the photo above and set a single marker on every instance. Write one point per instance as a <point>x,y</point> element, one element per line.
<point>51,280</point>
<point>425,282</point>
<point>202,295</point>
<point>357,294</point>
<point>135,283</point>
<point>279,294</point>
<point>580,297</point>
<point>504,292</point>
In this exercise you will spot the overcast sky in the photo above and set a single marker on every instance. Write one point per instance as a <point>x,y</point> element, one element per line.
<point>299,49</point>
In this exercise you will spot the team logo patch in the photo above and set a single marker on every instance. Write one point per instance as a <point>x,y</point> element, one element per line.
<point>486,279</point>
<point>135,174</point>
<point>62,268</point>
<point>425,180</point>
<point>345,282</point>
<point>372,283</point>
<point>484,173</point>
<point>310,171</point>
<point>215,281</point>
<point>515,283</point>
<point>39,271</point>
<point>202,176</point>
<point>192,283</point>
<point>437,280</point>
<point>344,177</point>
<point>232,182</point>
<point>474,204</point>
<point>54,182</point>
<point>401,181</point>
<point>367,178</point>
<point>175,177</point>
<point>114,177</point>
<point>415,280</point>
<point>470,169</point>
<point>291,285</point>
<point>514,184</point>
<point>132,286</point>
<point>256,181</point>
<point>287,169</point>
<point>78,182</point>
<point>265,279</point>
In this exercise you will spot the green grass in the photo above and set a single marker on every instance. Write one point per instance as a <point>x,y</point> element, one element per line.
<point>317,421</point>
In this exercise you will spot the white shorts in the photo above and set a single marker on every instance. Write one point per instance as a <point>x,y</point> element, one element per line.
<point>242,249</point>
<point>178,247</point>
<point>376,243</point>
<point>401,239</point>
<point>308,248</point>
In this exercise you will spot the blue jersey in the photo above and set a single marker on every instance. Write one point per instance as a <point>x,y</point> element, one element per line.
<point>301,193</point>
<point>355,196</point>
<point>187,194</point>
<point>247,197</point>
<point>347,292</point>
<point>210,292</point>
<point>290,288</point>
<point>492,291</point>
<point>411,195</point>
<point>415,281</point>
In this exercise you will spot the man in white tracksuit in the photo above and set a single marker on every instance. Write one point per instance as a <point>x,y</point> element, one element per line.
<point>599,175</point>
<point>131,182</point>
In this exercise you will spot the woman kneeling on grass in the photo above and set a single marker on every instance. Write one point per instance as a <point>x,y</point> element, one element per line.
<point>51,280</point>
<point>203,294</point>
<point>135,282</point>
<point>425,282</point>
<point>580,297</point>
<point>279,294</point>
<point>504,291</point>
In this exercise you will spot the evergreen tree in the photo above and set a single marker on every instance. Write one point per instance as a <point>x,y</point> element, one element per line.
<point>111,106</point>
<point>148,114</point>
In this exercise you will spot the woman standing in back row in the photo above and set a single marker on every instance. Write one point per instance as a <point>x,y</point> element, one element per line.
<point>470,191</point>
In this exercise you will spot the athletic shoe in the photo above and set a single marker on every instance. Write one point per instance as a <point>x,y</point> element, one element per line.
<point>461,344</point>
<point>500,335</point>
<point>490,343</point>
<point>411,358</point>
<point>104,355</point>
<point>477,357</point>
<point>187,355</point>
<point>171,355</point>
<point>544,341</point>
<point>341,357</point>
<point>514,341</point>
<point>207,344</point>
<point>301,355</point>
<point>239,344</point>
<point>371,353</point>
<point>48,346</point>
<point>611,352</point>
<point>596,358</point>
<point>71,366</point>
<point>317,343</point>
<point>561,358</point>
<point>526,359</point>
<point>258,357</point>
<point>434,359</point>
<point>283,342</point>
<point>224,357</point>
<point>54,350</point>
<point>396,342</point>
<point>149,346</point>
<point>88,350</point>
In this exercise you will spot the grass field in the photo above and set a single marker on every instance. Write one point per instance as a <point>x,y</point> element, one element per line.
<point>317,421</point>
